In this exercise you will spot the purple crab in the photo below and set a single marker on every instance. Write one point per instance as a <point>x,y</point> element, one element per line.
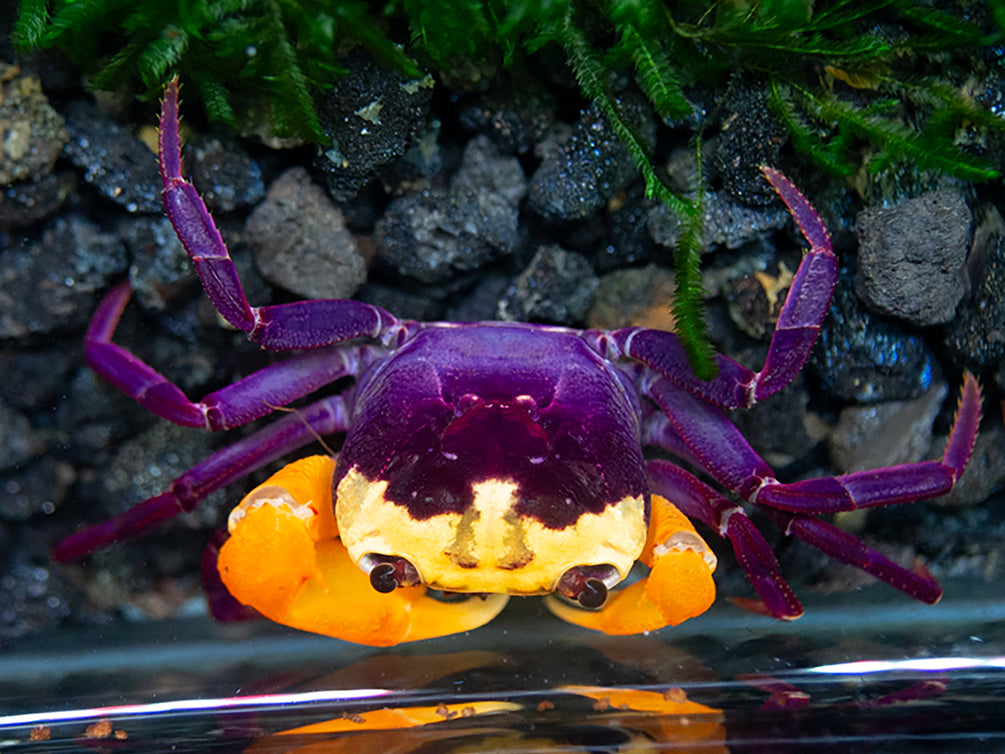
<point>492,459</point>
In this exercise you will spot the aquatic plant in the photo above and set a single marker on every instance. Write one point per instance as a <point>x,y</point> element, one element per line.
<point>855,83</point>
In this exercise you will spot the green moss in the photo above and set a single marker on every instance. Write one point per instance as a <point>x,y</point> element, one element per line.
<point>855,82</point>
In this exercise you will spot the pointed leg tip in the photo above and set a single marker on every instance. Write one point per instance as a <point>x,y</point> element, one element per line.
<point>789,613</point>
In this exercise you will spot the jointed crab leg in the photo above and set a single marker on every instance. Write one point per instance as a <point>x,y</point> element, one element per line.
<point>250,398</point>
<point>797,328</point>
<point>710,437</point>
<point>702,434</point>
<point>699,501</point>
<point>305,324</point>
<point>220,469</point>
<point>721,449</point>
<point>850,550</point>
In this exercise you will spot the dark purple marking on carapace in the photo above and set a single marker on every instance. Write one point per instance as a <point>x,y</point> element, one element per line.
<point>461,404</point>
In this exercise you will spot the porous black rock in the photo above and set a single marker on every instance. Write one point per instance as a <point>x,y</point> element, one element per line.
<point>865,358</point>
<point>911,256</point>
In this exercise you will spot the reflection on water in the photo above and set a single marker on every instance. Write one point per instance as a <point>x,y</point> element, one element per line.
<point>866,677</point>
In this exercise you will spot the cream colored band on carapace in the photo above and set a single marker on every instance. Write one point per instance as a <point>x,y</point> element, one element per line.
<point>489,548</point>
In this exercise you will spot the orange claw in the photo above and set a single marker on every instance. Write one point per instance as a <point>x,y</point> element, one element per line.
<point>284,559</point>
<point>679,585</point>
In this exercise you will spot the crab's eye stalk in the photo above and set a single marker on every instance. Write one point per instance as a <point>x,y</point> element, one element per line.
<point>388,572</point>
<point>588,585</point>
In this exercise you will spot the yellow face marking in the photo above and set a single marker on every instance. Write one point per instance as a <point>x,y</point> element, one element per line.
<point>490,547</point>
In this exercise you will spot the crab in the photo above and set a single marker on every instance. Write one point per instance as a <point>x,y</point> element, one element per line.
<point>488,459</point>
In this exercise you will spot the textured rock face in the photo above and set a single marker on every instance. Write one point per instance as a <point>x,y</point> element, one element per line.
<point>300,240</point>
<point>911,257</point>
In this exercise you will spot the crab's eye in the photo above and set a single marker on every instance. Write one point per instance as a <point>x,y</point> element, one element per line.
<point>588,585</point>
<point>388,572</point>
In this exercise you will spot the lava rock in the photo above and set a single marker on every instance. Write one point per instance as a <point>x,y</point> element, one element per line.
<point>911,256</point>
<point>161,267</point>
<point>751,136</point>
<point>433,235</point>
<point>557,287</point>
<point>482,303</point>
<point>755,300</point>
<point>63,271</point>
<point>863,358</point>
<point>592,167</point>
<point>224,173</point>
<point>300,240</point>
<point>22,204</point>
<point>626,241</point>
<point>634,297</point>
<point>15,437</point>
<point>371,117</point>
<point>885,434</point>
<point>976,336</point>
<point>404,304</point>
<point>32,597</point>
<point>33,133</point>
<point>145,465</point>
<point>516,117</point>
<point>483,169</point>
<point>34,380</point>
<point>94,418</point>
<point>726,223</point>
<point>38,489</point>
<point>113,159</point>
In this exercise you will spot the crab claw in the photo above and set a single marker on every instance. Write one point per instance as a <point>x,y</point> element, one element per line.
<point>679,585</point>
<point>284,559</point>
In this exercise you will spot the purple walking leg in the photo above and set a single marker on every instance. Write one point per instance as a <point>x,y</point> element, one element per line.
<point>850,550</point>
<point>304,324</point>
<point>697,500</point>
<point>250,398</point>
<point>723,452</point>
<point>325,417</point>
<point>702,434</point>
<point>796,330</point>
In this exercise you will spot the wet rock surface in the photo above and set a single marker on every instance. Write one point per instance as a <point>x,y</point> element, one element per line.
<point>113,159</point>
<point>556,287</point>
<point>750,136</point>
<point>224,173</point>
<point>32,598</point>
<point>910,259</point>
<point>300,240</point>
<point>727,223</point>
<point>33,133</point>
<point>863,358</point>
<point>636,296</point>
<point>64,270</point>
<point>516,116</point>
<point>15,438</point>
<point>976,336</point>
<point>580,176</point>
<point>370,117</point>
<point>160,267</point>
<point>434,235</point>
<point>25,203</point>
<point>37,489</point>
<point>886,434</point>
<point>983,475</point>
